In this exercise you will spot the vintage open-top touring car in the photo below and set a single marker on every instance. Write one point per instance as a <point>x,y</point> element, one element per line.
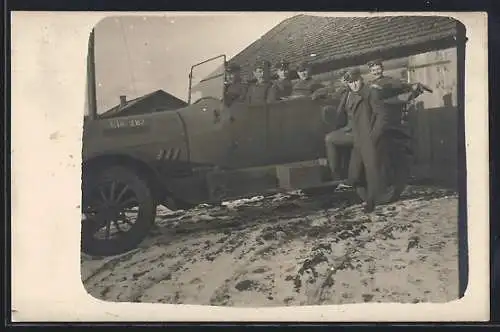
<point>206,152</point>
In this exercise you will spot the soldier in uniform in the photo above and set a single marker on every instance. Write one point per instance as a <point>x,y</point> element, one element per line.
<point>306,85</point>
<point>259,87</point>
<point>395,93</point>
<point>342,135</point>
<point>392,90</point>
<point>234,88</point>
<point>282,86</point>
<point>379,165</point>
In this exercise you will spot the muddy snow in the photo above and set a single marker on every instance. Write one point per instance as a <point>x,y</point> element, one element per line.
<point>291,250</point>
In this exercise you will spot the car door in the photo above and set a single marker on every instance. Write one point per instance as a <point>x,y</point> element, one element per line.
<point>296,130</point>
<point>207,125</point>
<point>249,134</point>
<point>206,119</point>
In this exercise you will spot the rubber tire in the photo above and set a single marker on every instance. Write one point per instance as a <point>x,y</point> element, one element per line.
<point>394,196</point>
<point>145,219</point>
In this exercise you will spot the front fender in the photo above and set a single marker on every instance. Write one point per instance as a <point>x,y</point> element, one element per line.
<point>139,164</point>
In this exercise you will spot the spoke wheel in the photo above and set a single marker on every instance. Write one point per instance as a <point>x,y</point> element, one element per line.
<point>118,212</point>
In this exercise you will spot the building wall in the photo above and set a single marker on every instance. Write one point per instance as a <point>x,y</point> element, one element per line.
<point>434,116</point>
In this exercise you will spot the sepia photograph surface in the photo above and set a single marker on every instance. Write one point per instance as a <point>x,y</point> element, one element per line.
<point>270,161</point>
<point>317,163</point>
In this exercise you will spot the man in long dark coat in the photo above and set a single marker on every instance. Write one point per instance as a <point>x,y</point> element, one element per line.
<point>378,166</point>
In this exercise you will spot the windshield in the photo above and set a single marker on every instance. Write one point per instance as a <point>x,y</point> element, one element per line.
<point>207,79</point>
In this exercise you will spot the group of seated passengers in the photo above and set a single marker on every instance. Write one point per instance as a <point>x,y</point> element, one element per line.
<point>265,88</point>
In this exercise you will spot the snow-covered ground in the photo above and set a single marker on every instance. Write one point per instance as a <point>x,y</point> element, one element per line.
<point>291,250</point>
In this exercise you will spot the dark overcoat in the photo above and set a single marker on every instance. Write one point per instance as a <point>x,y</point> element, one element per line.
<point>236,91</point>
<point>341,117</point>
<point>380,156</point>
<point>280,89</point>
<point>257,93</point>
<point>390,87</point>
<point>394,91</point>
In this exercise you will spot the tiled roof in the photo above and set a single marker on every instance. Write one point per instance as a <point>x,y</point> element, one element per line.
<point>334,38</point>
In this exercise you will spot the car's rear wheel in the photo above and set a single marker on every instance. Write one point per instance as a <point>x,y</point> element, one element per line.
<point>392,193</point>
<point>118,211</point>
<point>401,173</point>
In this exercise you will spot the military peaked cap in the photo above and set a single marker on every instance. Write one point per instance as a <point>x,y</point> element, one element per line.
<point>283,64</point>
<point>352,75</point>
<point>376,62</point>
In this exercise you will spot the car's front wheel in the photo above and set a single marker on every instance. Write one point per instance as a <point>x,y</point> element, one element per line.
<point>118,211</point>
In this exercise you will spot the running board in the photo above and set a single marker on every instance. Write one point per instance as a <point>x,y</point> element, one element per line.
<point>233,184</point>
